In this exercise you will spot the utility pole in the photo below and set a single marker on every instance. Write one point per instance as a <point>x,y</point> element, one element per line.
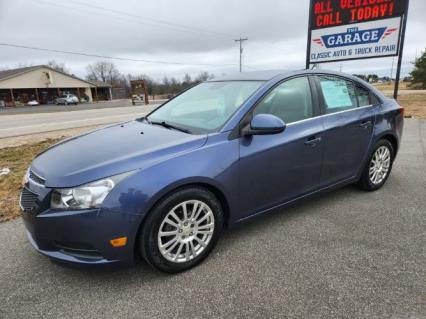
<point>241,40</point>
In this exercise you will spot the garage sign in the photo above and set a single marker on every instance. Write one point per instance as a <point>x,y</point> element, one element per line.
<point>354,29</point>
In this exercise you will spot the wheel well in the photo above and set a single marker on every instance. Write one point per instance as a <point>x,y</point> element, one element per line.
<point>392,139</point>
<point>219,195</point>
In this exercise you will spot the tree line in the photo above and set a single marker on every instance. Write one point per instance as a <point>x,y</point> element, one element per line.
<point>107,72</point>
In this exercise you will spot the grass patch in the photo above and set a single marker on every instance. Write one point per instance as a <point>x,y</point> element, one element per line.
<point>414,104</point>
<point>17,159</point>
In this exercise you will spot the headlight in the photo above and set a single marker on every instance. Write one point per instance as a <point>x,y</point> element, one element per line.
<point>90,195</point>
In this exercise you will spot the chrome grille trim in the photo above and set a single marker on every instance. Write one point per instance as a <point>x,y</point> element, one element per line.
<point>36,178</point>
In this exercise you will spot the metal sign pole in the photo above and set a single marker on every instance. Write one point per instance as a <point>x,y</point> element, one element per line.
<point>308,46</point>
<point>401,50</point>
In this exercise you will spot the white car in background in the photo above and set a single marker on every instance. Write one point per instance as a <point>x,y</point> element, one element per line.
<point>67,99</point>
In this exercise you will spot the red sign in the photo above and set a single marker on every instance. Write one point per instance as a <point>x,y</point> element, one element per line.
<point>330,13</point>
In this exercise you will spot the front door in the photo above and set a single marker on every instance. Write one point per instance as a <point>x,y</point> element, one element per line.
<point>277,168</point>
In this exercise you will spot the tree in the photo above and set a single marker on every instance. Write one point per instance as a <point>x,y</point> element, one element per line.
<point>372,78</point>
<point>61,67</point>
<point>203,76</point>
<point>103,71</point>
<point>186,79</point>
<point>419,72</point>
<point>361,76</point>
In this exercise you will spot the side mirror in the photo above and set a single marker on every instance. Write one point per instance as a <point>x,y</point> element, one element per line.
<point>264,124</point>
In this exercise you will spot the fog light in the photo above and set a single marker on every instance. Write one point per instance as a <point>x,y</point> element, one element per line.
<point>118,242</point>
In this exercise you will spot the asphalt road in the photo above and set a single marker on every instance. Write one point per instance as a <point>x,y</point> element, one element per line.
<point>67,108</point>
<point>346,254</point>
<point>25,124</point>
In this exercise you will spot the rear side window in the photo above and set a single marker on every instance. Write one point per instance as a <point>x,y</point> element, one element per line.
<point>339,94</point>
<point>291,101</point>
<point>363,96</point>
<point>373,99</point>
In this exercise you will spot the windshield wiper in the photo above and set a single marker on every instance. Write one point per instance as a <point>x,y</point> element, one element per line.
<point>169,126</point>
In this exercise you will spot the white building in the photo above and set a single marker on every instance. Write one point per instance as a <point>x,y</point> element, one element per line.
<point>44,84</point>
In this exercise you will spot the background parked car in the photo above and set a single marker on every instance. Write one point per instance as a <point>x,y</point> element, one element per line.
<point>67,99</point>
<point>32,103</point>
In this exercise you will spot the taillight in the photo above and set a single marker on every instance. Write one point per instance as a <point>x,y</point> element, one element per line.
<point>402,111</point>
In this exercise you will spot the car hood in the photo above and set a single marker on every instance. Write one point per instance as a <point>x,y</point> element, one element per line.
<point>109,151</point>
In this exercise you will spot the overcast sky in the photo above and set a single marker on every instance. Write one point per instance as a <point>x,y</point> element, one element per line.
<point>185,32</point>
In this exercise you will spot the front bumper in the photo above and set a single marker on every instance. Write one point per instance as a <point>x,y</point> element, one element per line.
<point>82,236</point>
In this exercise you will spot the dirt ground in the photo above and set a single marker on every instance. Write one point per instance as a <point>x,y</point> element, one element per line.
<point>414,104</point>
<point>17,159</point>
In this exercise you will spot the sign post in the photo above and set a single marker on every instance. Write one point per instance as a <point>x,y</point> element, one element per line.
<point>401,51</point>
<point>342,30</point>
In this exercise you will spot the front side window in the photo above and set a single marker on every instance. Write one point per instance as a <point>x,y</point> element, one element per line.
<point>291,101</point>
<point>206,107</point>
<point>339,94</point>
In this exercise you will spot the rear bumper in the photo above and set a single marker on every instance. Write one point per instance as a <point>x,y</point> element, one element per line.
<point>82,237</point>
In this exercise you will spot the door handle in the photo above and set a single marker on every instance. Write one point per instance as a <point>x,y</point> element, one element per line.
<point>312,141</point>
<point>365,124</point>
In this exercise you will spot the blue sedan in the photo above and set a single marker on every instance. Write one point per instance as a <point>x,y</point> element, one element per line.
<point>164,186</point>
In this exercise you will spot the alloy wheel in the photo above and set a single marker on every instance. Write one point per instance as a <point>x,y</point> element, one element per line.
<point>186,231</point>
<point>379,165</point>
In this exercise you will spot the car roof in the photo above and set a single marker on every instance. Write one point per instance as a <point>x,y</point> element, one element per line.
<point>270,74</point>
<point>251,76</point>
<point>281,74</point>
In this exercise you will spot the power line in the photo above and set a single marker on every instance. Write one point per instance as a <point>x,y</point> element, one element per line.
<point>168,24</point>
<point>110,57</point>
<point>241,40</point>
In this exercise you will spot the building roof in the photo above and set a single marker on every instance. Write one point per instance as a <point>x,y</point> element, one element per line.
<point>101,84</point>
<point>7,74</point>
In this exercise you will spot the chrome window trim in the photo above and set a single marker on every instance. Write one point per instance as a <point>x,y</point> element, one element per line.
<point>324,115</point>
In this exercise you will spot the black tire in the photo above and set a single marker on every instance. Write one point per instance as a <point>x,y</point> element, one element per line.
<point>148,235</point>
<point>365,181</point>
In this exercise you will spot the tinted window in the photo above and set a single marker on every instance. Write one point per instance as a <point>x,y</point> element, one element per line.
<point>363,96</point>
<point>291,101</point>
<point>339,94</point>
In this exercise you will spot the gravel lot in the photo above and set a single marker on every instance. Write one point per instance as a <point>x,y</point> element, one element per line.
<point>346,254</point>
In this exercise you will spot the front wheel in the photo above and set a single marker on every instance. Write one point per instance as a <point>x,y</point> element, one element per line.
<point>181,230</point>
<point>378,167</point>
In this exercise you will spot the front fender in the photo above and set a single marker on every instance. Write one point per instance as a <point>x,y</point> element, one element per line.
<point>138,193</point>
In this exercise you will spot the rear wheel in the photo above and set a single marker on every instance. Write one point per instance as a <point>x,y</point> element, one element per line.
<point>378,167</point>
<point>181,230</point>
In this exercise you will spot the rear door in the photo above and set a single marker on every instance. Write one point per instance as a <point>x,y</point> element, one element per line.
<point>349,118</point>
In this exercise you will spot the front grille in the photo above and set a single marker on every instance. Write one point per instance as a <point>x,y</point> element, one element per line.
<point>37,179</point>
<point>28,200</point>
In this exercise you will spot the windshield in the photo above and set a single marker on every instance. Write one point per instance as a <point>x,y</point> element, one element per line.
<point>206,107</point>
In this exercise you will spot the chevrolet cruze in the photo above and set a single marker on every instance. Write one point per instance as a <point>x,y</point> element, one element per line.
<point>165,185</point>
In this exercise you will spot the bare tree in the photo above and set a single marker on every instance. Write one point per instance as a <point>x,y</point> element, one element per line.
<point>204,76</point>
<point>61,67</point>
<point>103,71</point>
